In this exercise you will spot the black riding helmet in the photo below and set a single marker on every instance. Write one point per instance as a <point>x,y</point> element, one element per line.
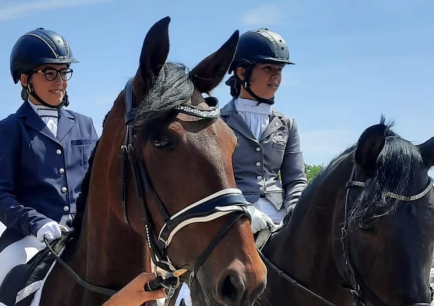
<point>260,46</point>
<point>39,47</point>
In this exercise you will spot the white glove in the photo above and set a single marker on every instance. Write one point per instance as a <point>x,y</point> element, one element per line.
<point>50,230</point>
<point>260,220</point>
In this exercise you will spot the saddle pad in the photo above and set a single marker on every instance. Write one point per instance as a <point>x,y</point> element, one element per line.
<point>25,282</point>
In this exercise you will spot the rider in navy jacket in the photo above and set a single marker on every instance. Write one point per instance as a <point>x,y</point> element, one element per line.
<point>44,149</point>
<point>41,175</point>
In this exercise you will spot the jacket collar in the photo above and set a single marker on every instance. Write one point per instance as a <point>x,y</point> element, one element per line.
<point>236,122</point>
<point>31,119</point>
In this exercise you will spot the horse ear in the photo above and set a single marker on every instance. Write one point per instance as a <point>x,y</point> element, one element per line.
<point>427,152</point>
<point>369,147</point>
<point>154,54</point>
<point>210,71</point>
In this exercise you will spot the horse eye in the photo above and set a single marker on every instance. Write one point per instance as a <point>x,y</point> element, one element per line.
<point>367,226</point>
<point>162,142</point>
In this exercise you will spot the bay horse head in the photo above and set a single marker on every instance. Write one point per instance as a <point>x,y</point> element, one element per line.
<point>178,192</point>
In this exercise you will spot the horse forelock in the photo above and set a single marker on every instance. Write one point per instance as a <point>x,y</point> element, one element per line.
<point>171,88</point>
<point>398,167</point>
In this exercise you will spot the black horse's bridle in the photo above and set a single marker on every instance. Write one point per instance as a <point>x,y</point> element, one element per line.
<point>358,288</point>
<point>227,202</point>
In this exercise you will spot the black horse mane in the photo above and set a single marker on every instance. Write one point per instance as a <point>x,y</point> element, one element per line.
<point>393,174</point>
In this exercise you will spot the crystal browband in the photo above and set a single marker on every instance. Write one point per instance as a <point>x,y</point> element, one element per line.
<point>212,112</point>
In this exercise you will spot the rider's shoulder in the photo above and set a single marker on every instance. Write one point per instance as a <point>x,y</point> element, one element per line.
<point>78,116</point>
<point>289,121</point>
<point>228,108</point>
<point>9,121</point>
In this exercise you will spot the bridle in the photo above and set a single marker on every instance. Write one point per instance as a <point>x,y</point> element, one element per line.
<point>227,202</point>
<point>359,290</point>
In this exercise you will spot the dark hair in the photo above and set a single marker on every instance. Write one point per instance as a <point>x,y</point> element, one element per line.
<point>234,82</point>
<point>24,94</point>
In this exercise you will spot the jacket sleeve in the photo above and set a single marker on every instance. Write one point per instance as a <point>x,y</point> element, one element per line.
<point>94,133</point>
<point>292,171</point>
<point>24,220</point>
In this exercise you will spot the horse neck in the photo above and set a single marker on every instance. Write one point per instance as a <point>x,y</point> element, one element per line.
<point>109,251</point>
<point>304,247</point>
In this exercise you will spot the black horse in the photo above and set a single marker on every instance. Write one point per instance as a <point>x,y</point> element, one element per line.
<point>363,231</point>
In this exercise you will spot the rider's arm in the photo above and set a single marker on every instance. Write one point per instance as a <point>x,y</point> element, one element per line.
<point>294,179</point>
<point>134,294</point>
<point>24,220</point>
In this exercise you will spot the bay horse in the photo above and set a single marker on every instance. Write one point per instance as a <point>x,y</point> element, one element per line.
<point>160,186</point>
<point>362,232</point>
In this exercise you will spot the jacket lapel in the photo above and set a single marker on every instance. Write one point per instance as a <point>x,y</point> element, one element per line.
<point>31,119</point>
<point>65,123</point>
<point>236,122</point>
<point>274,125</point>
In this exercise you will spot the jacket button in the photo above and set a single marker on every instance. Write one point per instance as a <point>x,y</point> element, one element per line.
<point>258,149</point>
<point>261,188</point>
<point>66,208</point>
<point>64,189</point>
<point>258,164</point>
<point>58,151</point>
<point>259,177</point>
<point>61,170</point>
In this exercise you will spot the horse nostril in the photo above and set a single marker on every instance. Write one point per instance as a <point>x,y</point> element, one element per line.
<point>232,289</point>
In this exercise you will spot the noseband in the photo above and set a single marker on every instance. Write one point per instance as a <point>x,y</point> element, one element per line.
<point>360,291</point>
<point>226,202</point>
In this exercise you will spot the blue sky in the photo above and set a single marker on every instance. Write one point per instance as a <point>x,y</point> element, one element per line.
<point>355,60</point>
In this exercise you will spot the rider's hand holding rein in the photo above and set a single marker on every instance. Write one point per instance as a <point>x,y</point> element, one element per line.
<point>134,294</point>
<point>50,230</point>
<point>260,220</point>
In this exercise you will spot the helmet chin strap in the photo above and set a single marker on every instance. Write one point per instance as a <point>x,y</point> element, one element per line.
<point>246,85</point>
<point>260,100</point>
<point>32,92</point>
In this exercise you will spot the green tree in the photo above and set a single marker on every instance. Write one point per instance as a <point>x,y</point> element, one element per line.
<point>312,171</point>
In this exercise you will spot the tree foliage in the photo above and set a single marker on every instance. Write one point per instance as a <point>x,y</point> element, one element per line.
<point>312,171</point>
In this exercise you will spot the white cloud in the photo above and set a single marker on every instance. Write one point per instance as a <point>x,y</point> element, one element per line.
<point>30,8</point>
<point>264,16</point>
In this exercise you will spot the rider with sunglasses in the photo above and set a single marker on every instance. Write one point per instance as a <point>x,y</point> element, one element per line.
<point>44,149</point>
